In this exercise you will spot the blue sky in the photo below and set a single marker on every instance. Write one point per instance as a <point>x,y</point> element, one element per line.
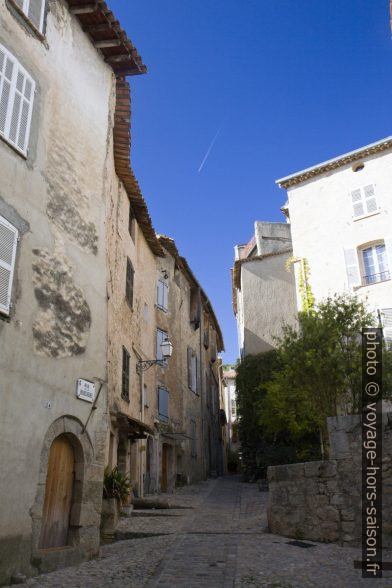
<point>289,84</point>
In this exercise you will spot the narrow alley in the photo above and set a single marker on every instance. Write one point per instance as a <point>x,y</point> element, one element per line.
<point>214,535</point>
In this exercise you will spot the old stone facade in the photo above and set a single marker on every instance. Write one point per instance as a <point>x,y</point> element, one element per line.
<point>58,99</point>
<point>321,501</point>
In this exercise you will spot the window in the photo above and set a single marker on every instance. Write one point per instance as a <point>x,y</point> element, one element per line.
<point>129,283</point>
<point>132,224</point>
<point>364,201</point>
<point>163,404</point>
<point>16,101</point>
<point>125,374</point>
<point>162,294</point>
<point>375,264</point>
<point>194,307</point>
<point>161,337</point>
<point>206,336</point>
<point>34,10</point>
<point>193,439</point>
<point>8,242</point>
<point>193,377</point>
<point>145,396</point>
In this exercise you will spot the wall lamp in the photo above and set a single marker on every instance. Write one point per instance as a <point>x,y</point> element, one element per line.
<point>166,350</point>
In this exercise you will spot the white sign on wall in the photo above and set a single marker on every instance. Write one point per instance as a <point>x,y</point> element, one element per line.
<point>85,390</point>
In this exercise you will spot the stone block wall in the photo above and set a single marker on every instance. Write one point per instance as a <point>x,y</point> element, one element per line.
<point>321,501</point>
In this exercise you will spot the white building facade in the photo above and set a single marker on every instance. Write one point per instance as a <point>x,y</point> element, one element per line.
<point>340,213</point>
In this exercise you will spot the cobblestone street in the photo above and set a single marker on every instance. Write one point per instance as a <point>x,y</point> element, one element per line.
<point>216,537</point>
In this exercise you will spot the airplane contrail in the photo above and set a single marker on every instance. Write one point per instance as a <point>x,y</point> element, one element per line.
<point>209,149</point>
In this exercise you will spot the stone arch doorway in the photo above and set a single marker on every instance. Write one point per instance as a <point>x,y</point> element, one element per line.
<point>59,494</point>
<point>87,476</point>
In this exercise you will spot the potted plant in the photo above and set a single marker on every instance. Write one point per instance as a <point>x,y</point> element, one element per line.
<point>116,489</point>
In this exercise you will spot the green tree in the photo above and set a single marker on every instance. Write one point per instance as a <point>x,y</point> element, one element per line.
<point>259,447</point>
<point>320,369</point>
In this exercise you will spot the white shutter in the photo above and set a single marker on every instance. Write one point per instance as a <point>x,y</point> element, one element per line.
<point>8,241</point>
<point>352,269</point>
<point>370,199</point>
<point>356,198</point>
<point>6,75</point>
<point>16,101</point>
<point>388,247</point>
<point>35,12</point>
<point>165,296</point>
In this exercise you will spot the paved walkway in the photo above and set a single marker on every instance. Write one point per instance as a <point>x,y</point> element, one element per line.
<point>216,539</point>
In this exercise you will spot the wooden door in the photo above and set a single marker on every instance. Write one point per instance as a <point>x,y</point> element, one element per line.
<point>58,494</point>
<point>164,468</point>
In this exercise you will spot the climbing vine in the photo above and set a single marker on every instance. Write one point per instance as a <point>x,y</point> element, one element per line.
<point>305,290</point>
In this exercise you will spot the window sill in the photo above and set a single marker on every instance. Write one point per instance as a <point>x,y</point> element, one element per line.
<point>358,218</point>
<point>13,147</point>
<point>31,26</point>
<point>163,309</point>
<point>369,285</point>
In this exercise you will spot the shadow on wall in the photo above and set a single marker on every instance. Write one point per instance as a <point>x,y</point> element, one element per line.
<point>255,344</point>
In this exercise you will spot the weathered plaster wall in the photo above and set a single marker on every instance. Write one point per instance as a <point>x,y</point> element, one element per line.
<point>184,404</point>
<point>321,501</point>
<point>57,329</point>
<point>322,226</point>
<point>131,327</point>
<point>268,301</point>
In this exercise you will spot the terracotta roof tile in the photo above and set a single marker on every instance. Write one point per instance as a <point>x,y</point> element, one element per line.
<point>106,33</point>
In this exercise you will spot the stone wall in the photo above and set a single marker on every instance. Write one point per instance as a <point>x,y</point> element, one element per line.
<point>321,501</point>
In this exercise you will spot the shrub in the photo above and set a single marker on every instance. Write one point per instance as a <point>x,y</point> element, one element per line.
<point>116,485</point>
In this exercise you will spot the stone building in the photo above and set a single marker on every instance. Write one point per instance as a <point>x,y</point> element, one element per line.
<point>340,217</point>
<point>263,288</point>
<point>132,253</point>
<point>189,412</point>
<point>58,67</point>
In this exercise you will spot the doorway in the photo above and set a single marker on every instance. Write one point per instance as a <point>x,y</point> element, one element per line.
<point>58,494</point>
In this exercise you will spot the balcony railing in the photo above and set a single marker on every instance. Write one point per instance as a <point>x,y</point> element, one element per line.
<point>375,278</point>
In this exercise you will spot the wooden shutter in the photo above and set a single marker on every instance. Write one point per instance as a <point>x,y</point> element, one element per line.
<point>189,358</point>
<point>198,382</point>
<point>16,101</point>
<point>35,12</point>
<point>163,404</point>
<point>125,374</point>
<point>129,282</point>
<point>356,199</point>
<point>6,76</point>
<point>352,270</point>
<point>159,293</point>
<point>370,199</point>
<point>165,296</point>
<point>8,242</point>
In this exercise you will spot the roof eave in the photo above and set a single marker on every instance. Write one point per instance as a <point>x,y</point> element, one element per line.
<point>335,163</point>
